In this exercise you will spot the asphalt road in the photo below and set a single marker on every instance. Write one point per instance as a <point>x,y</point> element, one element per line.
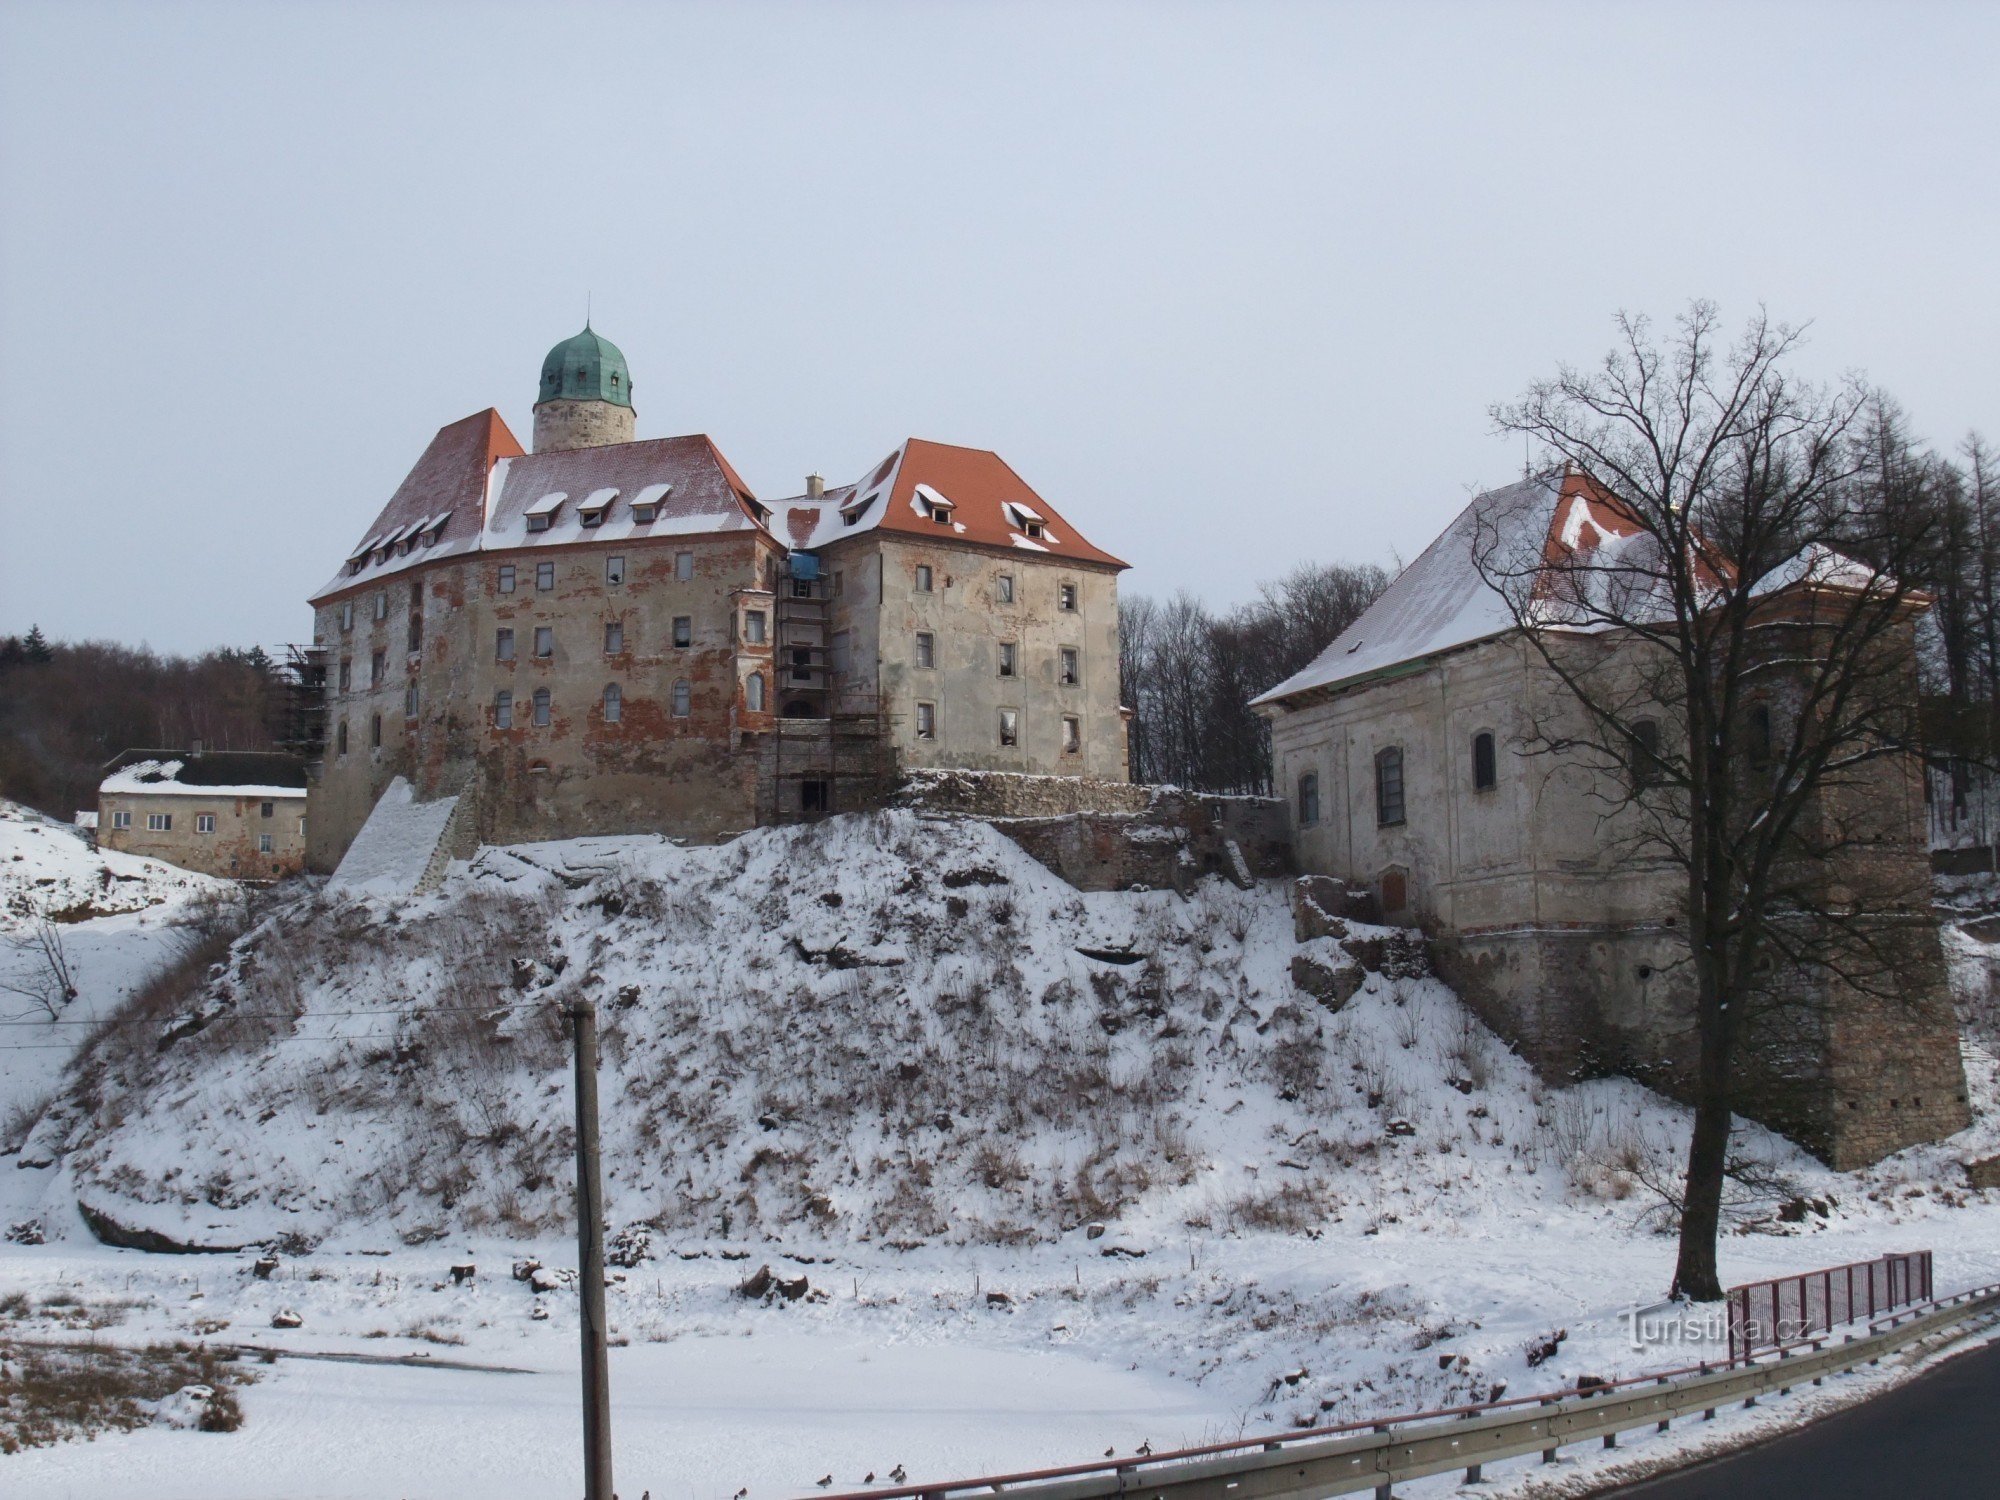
<point>1937,1436</point>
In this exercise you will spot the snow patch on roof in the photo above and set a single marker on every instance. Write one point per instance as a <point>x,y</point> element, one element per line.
<point>162,778</point>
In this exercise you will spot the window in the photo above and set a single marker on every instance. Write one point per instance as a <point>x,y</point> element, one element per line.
<point>1485,766</point>
<point>378,669</point>
<point>1072,734</point>
<point>753,627</point>
<point>1005,584</point>
<point>503,645</point>
<point>1389,787</point>
<point>1066,597</point>
<point>416,627</point>
<point>594,517</point>
<point>1007,656</point>
<point>1645,754</point>
<point>506,581</point>
<point>159,822</point>
<point>545,576</point>
<point>839,583</point>
<point>263,843</point>
<point>382,604</point>
<point>683,566</point>
<point>753,693</point>
<point>266,809</point>
<point>302,827</point>
<point>346,616</point>
<point>346,674</point>
<point>683,630</point>
<point>409,702</point>
<point>340,738</point>
<point>802,663</point>
<point>539,520</point>
<point>926,649</point>
<point>1010,727</point>
<point>1757,734</point>
<point>503,710</point>
<point>614,637</point>
<point>121,820</point>
<point>375,731</point>
<point>926,721</point>
<point>1067,670</point>
<point>545,641</point>
<point>683,697</point>
<point>614,571</point>
<point>923,578</point>
<point>1033,530</point>
<point>541,707</point>
<point>1308,799</point>
<point>204,822</point>
<point>643,514</point>
<point>614,703</point>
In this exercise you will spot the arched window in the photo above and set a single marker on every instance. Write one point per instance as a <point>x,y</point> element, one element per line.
<point>503,710</point>
<point>1308,800</point>
<point>1389,787</point>
<point>683,697</point>
<point>1485,765</point>
<point>541,706</point>
<point>1645,753</point>
<point>753,693</point>
<point>1757,734</point>
<point>614,703</point>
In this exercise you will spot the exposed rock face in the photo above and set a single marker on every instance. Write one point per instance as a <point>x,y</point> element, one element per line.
<point>1984,1173</point>
<point>1332,984</point>
<point>128,1237</point>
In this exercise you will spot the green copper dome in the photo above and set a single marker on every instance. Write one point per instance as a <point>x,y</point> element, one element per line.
<point>587,367</point>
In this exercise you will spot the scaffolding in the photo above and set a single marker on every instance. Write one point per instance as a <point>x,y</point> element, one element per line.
<point>830,747</point>
<point>301,702</point>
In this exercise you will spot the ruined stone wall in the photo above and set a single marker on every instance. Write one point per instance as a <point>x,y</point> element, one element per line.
<point>231,850</point>
<point>1106,836</point>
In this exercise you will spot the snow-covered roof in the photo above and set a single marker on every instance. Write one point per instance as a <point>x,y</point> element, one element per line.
<point>1440,601</point>
<point>986,501</point>
<point>228,773</point>
<point>474,489</point>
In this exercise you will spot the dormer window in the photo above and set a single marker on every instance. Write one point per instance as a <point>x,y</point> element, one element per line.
<point>542,513</point>
<point>1027,520</point>
<point>935,505</point>
<point>592,511</point>
<point>645,514</point>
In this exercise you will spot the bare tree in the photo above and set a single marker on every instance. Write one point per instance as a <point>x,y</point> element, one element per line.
<point>42,972</point>
<point>1725,615</point>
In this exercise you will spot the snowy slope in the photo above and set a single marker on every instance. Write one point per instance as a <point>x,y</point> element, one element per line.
<point>47,866</point>
<point>871,1052</point>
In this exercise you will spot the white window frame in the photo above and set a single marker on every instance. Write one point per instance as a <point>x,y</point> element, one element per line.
<point>121,820</point>
<point>265,844</point>
<point>614,571</point>
<point>926,721</point>
<point>545,636</point>
<point>545,577</point>
<point>926,650</point>
<point>204,822</point>
<point>683,566</point>
<point>159,822</point>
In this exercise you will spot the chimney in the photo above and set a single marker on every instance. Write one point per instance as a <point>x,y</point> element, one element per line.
<point>815,486</point>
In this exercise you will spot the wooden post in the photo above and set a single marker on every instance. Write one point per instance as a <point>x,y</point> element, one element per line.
<point>590,1268</point>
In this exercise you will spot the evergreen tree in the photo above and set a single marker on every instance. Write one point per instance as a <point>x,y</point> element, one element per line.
<point>35,646</point>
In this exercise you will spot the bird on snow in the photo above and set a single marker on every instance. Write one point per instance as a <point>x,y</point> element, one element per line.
<point>897,1474</point>
<point>1110,1452</point>
<point>824,1481</point>
<point>1145,1449</point>
<point>871,1477</point>
<point>740,1493</point>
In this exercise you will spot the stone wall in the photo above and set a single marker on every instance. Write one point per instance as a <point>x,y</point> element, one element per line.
<point>563,425</point>
<point>230,849</point>
<point>1114,835</point>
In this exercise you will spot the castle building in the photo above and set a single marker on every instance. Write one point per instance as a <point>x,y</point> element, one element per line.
<point>1400,753</point>
<point>615,635</point>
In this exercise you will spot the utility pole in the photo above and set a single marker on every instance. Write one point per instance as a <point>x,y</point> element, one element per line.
<point>590,1268</point>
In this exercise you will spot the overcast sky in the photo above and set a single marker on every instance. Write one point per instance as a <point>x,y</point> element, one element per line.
<point>1232,285</point>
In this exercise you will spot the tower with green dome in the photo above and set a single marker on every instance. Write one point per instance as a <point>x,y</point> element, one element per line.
<point>585,399</point>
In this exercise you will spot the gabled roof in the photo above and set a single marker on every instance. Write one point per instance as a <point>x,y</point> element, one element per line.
<point>1440,601</point>
<point>977,486</point>
<point>477,481</point>
<point>449,480</point>
<point>223,773</point>
<point>687,478</point>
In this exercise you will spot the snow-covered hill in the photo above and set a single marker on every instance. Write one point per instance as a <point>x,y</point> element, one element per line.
<point>47,867</point>
<point>901,1058</point>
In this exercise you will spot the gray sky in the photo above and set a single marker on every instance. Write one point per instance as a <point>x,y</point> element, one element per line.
<point>1231,285</point>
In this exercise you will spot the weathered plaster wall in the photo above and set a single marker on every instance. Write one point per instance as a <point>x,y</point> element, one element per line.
<point>1550,920</point>
<point>230,851</point>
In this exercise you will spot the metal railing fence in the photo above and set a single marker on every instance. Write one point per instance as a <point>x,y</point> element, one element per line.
<point>1787,1309</point>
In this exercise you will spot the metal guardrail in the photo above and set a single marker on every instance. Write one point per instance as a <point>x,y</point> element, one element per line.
<point>1381,1453</point>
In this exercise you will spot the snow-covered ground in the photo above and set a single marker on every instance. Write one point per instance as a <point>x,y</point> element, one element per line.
<point>115,915</point>
<point>1047,1200</point>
